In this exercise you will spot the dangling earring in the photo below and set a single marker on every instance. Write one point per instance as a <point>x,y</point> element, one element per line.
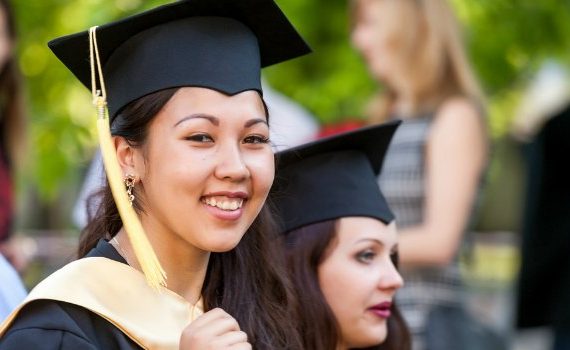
<point>130,185</point>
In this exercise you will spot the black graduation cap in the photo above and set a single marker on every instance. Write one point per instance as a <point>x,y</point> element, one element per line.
<point>217,44</point>
<point>332,178</point>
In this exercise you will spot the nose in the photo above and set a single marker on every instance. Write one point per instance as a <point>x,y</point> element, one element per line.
<point>355,37</point>
<point>231,165</point>
<point>358,38</point>
<point>391,279</point>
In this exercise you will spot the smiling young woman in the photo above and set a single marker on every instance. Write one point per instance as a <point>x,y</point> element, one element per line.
<point>190,139</point>
<point>341,242</point>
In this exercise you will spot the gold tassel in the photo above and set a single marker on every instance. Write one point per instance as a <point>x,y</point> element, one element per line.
<point>144,253</point>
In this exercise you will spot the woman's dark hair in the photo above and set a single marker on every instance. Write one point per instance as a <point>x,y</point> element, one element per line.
<point>305,249</point>
<point>12,121</point>
<point>249,282</point>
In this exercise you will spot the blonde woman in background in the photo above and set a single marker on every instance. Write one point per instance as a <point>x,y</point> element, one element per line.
<point>432,171</point>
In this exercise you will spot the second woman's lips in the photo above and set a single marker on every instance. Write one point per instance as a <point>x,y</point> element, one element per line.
<point>382,310</point>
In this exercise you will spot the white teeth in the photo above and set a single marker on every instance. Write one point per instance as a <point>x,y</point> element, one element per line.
<point>224,204</point>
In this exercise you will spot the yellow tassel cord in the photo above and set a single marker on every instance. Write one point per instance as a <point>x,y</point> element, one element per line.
<point>145,255</point>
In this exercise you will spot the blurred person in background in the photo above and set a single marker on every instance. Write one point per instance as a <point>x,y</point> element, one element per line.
<point>12,123</point>
<point>433,168</point>
<point>291,123</point>
<point>341,242</point>
<point>12,290</point>
<point>544,279</point>
<point>12,145</point>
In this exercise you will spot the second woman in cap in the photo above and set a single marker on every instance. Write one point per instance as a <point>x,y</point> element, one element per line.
<point>341,241</point>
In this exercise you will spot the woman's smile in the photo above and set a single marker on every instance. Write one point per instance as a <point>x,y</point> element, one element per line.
<point>225,205</point>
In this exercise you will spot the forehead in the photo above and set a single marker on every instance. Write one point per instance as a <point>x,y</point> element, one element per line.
<point>387,13</point>
<point>352,229</point>
<point>191,100</point>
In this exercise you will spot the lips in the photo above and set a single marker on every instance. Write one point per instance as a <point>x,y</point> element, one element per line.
<point>382,310</point>
<point>225,205</point>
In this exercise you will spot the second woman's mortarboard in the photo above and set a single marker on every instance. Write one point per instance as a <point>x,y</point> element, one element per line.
<point>216,44</point>
<point>332,178</point>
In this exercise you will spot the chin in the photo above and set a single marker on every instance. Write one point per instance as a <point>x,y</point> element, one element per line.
<point>223,249</point>
<point>378,338</point>
<point>372,338</point>
<point>222,246</point>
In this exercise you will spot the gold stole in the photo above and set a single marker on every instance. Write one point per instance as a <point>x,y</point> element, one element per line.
<point>121,295</point>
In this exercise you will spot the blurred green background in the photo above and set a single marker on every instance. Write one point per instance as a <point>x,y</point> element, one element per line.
<point>507,41</point>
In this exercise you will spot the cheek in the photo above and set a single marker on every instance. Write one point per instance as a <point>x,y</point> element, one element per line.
<point>346,284</point>
<point>262,170</point>
<point>339,283</point>
<point>183,166</point>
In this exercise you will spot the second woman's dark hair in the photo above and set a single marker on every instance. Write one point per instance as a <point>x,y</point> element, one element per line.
<point>249,282</point>
<point>306,248</point>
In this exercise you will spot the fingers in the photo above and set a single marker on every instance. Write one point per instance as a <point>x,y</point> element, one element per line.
<point>215,323</point>
<point>215,329</point>
<point>241,346</point>
<point>236,338</point>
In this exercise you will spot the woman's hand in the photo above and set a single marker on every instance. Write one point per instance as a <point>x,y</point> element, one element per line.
<point>213,330</point>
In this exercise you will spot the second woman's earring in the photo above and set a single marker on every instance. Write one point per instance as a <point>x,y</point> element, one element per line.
<point>130,186</point>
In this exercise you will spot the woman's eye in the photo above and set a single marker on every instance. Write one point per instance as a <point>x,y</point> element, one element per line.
<point>366,256</point>
<point>200,138</point>
<point>256,139</point>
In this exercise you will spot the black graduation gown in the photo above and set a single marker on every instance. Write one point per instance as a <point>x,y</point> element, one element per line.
<point>49,324</point>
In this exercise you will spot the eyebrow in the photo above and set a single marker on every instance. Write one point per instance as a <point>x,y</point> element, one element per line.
<point>215,121</point>
<point>374,240</point>
<point>255,121</point>
<point>370,240</point>
<point>208,117</point>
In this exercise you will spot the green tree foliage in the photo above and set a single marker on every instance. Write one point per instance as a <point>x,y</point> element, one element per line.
<point>507,39</point>
<point>62,119</point>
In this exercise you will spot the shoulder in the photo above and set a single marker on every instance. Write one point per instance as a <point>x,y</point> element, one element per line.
<point>45,324</point>
<point>458,118</point>
<point>48,324</point>
<point>459,110</point>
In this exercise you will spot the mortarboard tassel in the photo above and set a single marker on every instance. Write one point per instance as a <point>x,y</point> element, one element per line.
<point>144,253</point>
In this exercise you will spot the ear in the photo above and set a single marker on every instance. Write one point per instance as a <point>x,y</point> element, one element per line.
<point>126,155</point>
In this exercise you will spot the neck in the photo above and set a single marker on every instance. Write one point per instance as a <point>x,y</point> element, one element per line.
<point>185,266</point>
<point>404,105</point>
